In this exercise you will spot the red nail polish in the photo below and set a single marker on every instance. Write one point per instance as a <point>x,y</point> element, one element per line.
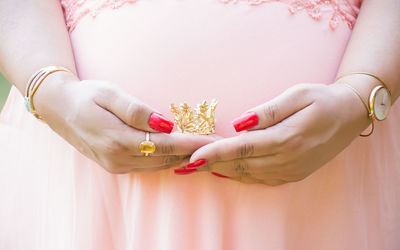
<point>219,175</point>
<point>196,164</point>
<point>184,170</point>
<point>245,121</point>
<point>160,123</point>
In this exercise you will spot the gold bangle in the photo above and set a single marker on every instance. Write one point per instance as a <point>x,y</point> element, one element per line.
<point>34,82</point>
<point>366,107</point>
<point>364,73</point>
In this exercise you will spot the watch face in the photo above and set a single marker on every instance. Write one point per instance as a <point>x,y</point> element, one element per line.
<point>381,103</point>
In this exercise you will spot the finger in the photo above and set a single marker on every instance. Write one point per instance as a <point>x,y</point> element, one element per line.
<point>134,112</point>
<point>252,144</point>
<point>274,111</point>
<point>150,161</point>
<point>257,167</point>
<point>172,144</point>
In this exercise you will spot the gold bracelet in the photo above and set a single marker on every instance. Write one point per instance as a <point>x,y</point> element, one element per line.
<point>364,73</point>
<point>33,84</point>
<point>366,106</point>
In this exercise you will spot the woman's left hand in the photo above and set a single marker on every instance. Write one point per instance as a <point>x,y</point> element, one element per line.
<point>287,138</point>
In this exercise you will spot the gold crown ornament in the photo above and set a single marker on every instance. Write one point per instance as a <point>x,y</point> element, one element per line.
<point>200,121</point>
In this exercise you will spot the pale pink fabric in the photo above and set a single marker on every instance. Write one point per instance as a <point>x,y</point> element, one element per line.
<point>346,10</point>
<point>174,51</point>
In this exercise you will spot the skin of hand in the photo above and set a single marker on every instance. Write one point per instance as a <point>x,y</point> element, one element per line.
<point>296,133</point>
<point>107,125</point>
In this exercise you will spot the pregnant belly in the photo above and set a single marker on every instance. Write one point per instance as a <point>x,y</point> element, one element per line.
<point>165,52</point>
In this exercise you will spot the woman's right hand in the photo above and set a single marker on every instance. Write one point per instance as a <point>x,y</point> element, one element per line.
<point>107,125</point>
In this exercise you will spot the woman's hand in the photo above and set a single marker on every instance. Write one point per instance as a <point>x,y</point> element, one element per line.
<point>291,136</point>
<point>107,125</point>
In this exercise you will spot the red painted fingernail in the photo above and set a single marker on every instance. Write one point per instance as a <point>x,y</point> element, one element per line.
<point>160,123</point>
<point>245,121</point>
<point>184,170</point>
<point>219,175</point>
<point>196,164</point>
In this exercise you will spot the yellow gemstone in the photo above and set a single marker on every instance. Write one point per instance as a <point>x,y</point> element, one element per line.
<point>147,147</point>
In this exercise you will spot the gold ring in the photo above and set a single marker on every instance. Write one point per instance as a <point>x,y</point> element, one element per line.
<point>147,147</point>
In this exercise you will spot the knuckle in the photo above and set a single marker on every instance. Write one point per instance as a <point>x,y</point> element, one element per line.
<point>292,143</point>
<point>135,113</point>
<point>279,141</point>
<point>217,155</point>
<point>286,139</point>
<point>105,91</point>
<point>241,167</point>
<point>271,113</point>
<point>302,89</point>
<point>244,150</point>
<point>166,148</point>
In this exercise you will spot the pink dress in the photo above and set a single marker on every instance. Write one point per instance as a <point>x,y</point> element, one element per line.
<point>242,53</point>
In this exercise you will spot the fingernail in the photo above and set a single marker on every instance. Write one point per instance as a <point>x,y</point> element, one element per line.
<point>184,170</point>
<point>219,175</point>
<point>160,123</point>
<point>245,121</point>
<point>196,164</point>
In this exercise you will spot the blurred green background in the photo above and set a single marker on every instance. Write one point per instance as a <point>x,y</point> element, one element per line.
<point>4,89</point>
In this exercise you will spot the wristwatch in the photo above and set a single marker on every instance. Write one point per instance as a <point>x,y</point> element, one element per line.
<point>380,102</point>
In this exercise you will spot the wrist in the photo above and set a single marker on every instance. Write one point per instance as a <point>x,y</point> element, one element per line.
<point>48,97</point>
<point>352,108</point>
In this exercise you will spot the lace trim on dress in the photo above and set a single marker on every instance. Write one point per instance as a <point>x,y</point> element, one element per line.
<point>75,10</point>
<point>339,10</point>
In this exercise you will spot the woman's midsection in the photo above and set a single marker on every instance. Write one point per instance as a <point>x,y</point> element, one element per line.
<point>165,52</point>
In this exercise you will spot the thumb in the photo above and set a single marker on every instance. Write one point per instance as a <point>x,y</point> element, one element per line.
<point>275,110</point>
<point>134,112</point>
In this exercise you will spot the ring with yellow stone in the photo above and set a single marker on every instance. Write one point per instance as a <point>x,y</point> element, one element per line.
<point>147,147</point>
